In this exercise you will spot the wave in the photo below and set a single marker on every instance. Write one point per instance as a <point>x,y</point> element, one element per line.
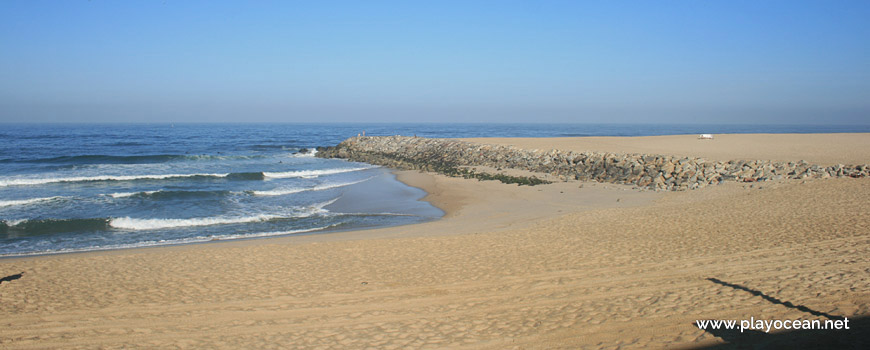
<point>156,224</point>
<point>42,181</point>
<point>131,194</point>
<point>162,242</point>
<point>292,190</point>
<point>371,214</point>
<point>310,153</point>
<point>44,226</point>
<point>109,159</point>
<point>163,194</point>
<point>10,203</point>
<point>231,176</point>
<point>11,223</point>
<point>312,173</point>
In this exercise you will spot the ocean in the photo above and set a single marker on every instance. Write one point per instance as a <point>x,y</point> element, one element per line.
<point>83,187</point>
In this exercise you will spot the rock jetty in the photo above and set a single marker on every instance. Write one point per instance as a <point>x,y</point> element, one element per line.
<point>650,171</point>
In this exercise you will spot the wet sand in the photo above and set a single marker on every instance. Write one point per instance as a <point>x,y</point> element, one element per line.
<point>552,266</point>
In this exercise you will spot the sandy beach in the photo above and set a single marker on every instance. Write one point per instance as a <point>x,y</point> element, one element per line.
<point>561,266</point>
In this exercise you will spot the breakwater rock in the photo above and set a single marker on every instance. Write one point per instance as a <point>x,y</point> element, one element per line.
<point>656,172</point>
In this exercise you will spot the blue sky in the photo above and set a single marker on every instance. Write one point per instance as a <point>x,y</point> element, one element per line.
<point>436,61</point>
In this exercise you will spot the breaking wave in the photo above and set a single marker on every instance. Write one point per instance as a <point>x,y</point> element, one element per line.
<point>17,202</point>
<point>156,224</point>
<point>42,181</point>
<point>44,226</point>
<point>163,194</point>
<point>285,191</point>
<point>312,173</point>
<point>309,153</point>
<point>232,176</point>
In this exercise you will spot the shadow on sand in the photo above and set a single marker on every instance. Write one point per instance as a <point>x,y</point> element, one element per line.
<point>11,278</point>
<point>773,300</point>
<point>856,337</point>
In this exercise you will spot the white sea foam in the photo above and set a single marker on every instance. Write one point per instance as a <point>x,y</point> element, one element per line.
<point>291,190</point>
<point>310,154</point>
<point>371,214</point>
<point>317,208</point>
<point>148,193</point>
<point>197,239</point>
<point>130,194</point>
<point>268,234</point>
<point>11,223</point>
<point>311,173</point>
<point>281,191</point>
<point>275,175</point>
<point>156,224</point>
<point>10,203</point>
<point>14,182</point>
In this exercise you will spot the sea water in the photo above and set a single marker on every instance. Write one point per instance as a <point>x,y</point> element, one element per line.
<point>80,187</point>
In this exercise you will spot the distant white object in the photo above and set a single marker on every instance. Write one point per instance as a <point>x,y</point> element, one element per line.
<point>705,137</point>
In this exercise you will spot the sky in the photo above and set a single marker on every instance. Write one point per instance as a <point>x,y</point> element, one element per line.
<point>693,61</point>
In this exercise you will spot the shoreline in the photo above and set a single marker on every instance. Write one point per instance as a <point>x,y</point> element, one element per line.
<point>328,230</point>
<point>424,182</point>
<point>548,266</point>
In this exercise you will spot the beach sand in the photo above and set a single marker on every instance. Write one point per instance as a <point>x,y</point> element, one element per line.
<point>551,266</point>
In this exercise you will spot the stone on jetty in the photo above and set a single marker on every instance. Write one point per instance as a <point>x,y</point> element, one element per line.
<point>656,172</point>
